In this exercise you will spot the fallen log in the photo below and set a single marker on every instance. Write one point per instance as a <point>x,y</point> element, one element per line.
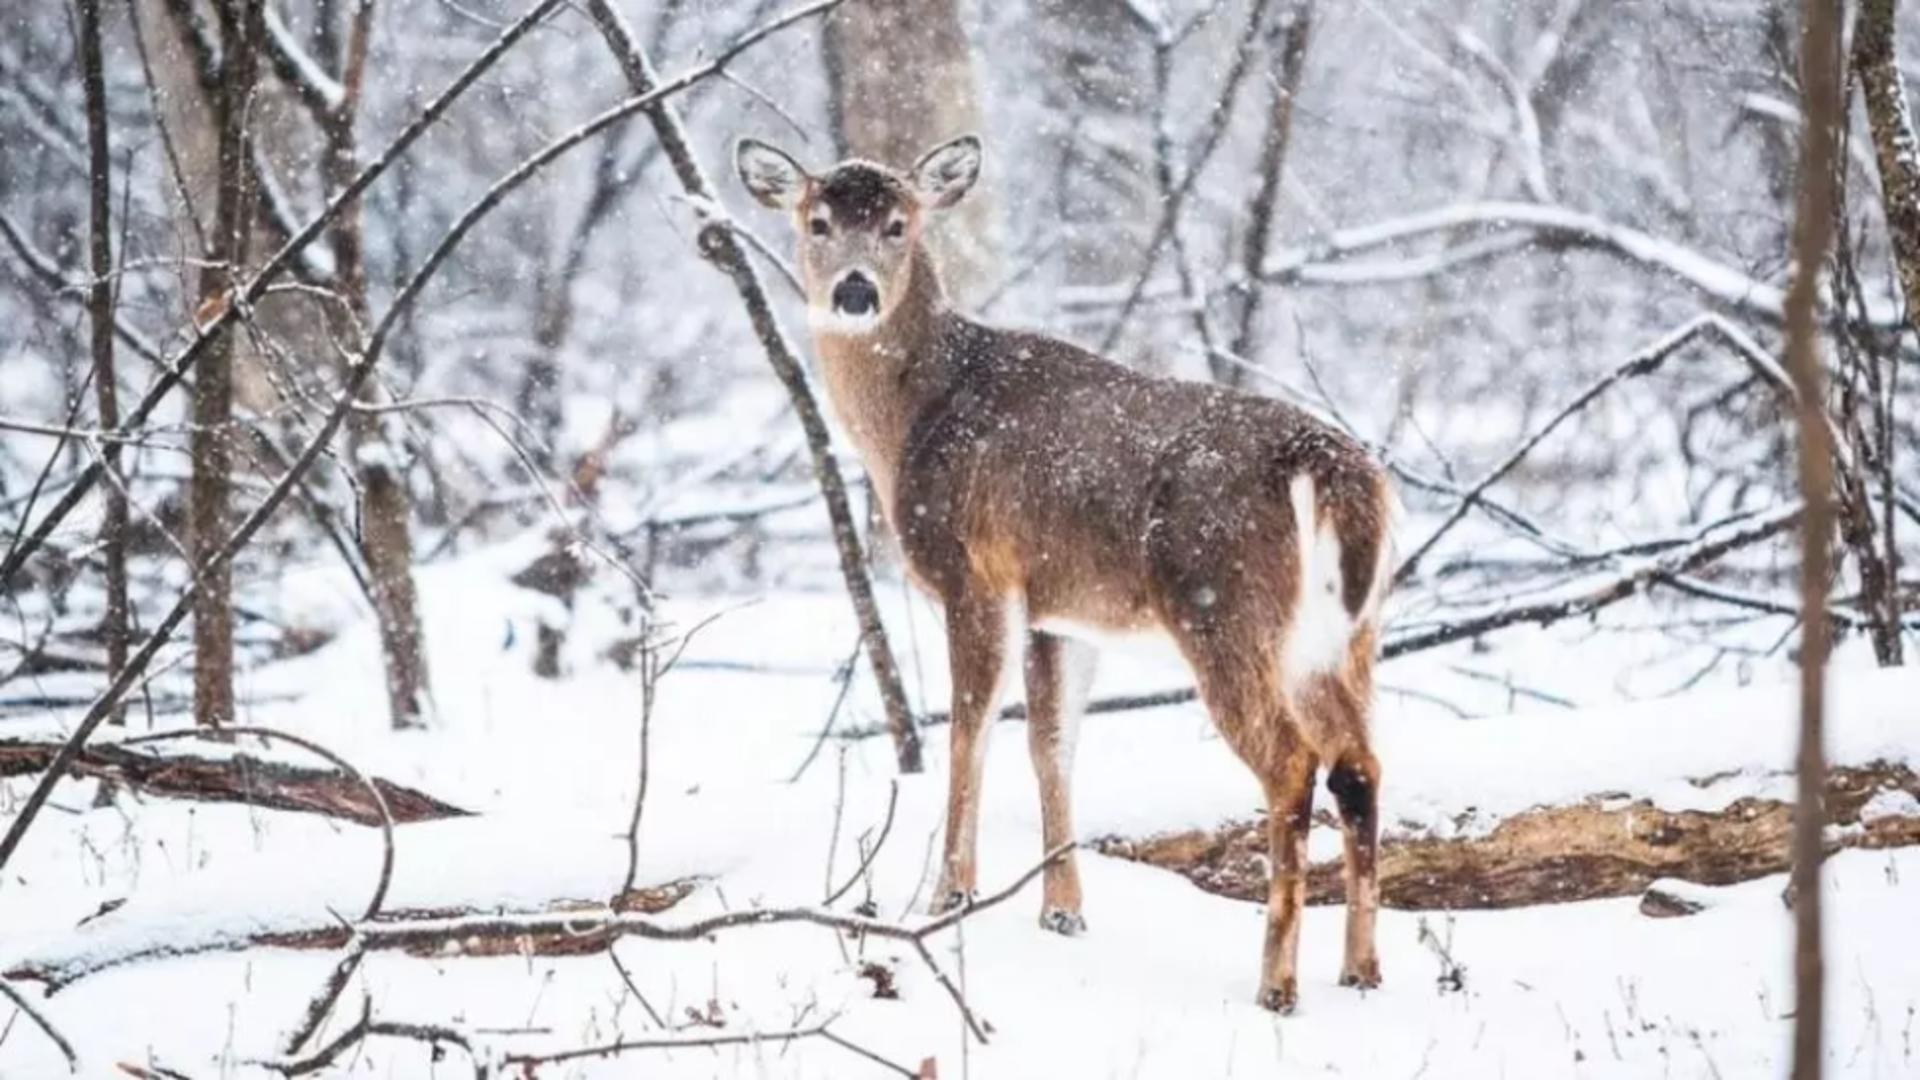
<point>236,777</point>
<point>1603,846</point>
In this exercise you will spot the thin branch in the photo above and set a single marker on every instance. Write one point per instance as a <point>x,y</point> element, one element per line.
<point>866,859</point>
<point>40,1021</point>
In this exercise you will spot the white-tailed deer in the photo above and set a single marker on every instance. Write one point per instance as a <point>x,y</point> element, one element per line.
<point>1040,492</point>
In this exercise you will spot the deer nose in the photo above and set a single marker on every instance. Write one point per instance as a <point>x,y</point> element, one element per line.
<point>856,295</point>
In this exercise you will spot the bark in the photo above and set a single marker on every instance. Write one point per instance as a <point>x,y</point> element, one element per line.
<point>213,435</point>
<point>901,80</point>
<point>1897,152</point>
<point>113,626</point>
<point>1600,846</point>
<point>1293,34</point>
<point>1875,61</point>
<point>1812,235</point>
<point>386,538</point>
<point>721,247</point>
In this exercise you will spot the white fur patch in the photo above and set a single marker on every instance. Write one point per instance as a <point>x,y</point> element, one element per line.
<point>1078,663</point>
<point>826,320</point>
<point>1317,638</point>
<point>1147,643</point>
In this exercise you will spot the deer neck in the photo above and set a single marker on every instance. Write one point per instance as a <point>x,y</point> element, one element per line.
<point>879,382</point>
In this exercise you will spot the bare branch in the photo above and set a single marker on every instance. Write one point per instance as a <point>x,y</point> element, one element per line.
<point>40,1021</point>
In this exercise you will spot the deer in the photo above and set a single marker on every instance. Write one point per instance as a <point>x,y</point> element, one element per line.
<point>1050,500</point>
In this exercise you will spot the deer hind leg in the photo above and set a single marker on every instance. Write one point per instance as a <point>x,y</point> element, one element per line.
<point>1354,780</point>
<point>977,640</point>
<point>1059,673</point>
<point>1288,779</point>
<point>1261,725</point>
<point>1341,703</point>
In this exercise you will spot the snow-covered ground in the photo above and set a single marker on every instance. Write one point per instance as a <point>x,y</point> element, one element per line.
<point>1162,985</point>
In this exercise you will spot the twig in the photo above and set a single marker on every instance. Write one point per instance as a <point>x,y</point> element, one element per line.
<point>40,1021</point>
<point>866,859</point>
<point>845,676</point>
<point>323,1002</point>
<point>675,1042</point>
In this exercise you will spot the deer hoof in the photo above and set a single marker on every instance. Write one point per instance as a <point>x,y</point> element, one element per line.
<point>953,900</point>
<point>1063,922</point>
<point>1280,999</point>
<point>1362,976</point>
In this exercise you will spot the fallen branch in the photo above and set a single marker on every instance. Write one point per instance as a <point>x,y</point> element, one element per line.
<point>243,778</point>
<point>564,931</point>
<point>525,1063</point>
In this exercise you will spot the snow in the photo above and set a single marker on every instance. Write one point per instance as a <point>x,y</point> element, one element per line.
<point>1162,985</point>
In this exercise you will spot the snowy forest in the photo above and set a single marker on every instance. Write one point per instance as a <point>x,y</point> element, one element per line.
<point>518,519</point>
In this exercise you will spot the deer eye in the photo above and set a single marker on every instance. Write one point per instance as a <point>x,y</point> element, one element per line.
<point>896,228</point>
<point>818,227</point>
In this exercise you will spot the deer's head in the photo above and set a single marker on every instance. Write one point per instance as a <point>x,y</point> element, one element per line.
<point>858,224</point>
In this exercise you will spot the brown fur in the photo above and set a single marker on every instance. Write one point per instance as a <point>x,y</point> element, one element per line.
<point>1033,483</point>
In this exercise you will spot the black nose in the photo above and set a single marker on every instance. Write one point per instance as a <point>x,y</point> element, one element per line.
<point>855,295</point>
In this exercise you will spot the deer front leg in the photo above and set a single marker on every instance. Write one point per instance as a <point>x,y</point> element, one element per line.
<point>1289,784</point>
<point>1059,673</point>
<point>977,638</point>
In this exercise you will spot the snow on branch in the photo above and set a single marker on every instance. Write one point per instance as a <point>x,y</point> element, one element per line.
<point>1553,225</point>
<point>319,91</point>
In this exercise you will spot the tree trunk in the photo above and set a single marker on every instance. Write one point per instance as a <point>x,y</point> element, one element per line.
<point>386,538</point>
<point>113,532</point>
<point>901,80</point>
<point>1094,70</point>
<point>212,442</point>
<point>1897,151</point>
<point>1813,232</point>
<point>1290,56</point>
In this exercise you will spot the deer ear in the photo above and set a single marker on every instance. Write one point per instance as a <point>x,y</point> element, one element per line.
<point>769,174</point>
<point>948,171</point>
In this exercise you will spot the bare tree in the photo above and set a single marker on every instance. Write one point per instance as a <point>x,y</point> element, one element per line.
<point>1290,35</point>
<point>902,80</point>
<point>213,441</point>
<point>1094,74</point>
<point>386,540</point>
<point>114,624</point>
<point>1876,63</point>
<point>1813,232</point>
